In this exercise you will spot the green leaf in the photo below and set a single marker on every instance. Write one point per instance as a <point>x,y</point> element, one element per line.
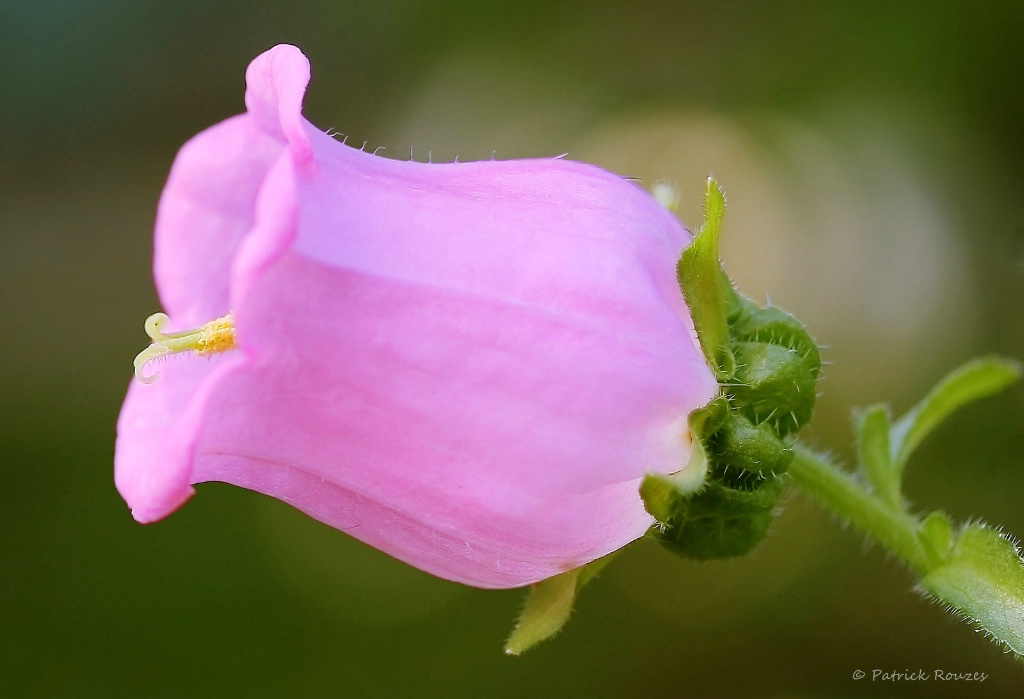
<point>873,450</point>
<point>983,579</point>
<point>707,291</point>
<point>975,380</point>
<point>549,604</point>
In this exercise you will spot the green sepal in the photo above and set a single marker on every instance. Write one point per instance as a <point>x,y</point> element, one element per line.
<point>720,522</point>
<point>974,380</point>
<point>775,326</point>
<point>983,579</point>
<point>708,293</point>
<point>549,604</point>
<point>739,306</point>
<point>659,492</point>
<point>754,448</point>
<point>772,384</point>
<point>874,455</point>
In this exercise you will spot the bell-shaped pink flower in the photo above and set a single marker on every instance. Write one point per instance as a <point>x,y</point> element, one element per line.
<point>469,366</point>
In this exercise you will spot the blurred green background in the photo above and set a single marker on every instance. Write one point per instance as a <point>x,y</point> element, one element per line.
<point>873,154</point>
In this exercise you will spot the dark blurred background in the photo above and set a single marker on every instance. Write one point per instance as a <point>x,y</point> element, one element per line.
<point>873,155</point>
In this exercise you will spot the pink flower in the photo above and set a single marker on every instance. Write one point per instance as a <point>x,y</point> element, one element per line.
<point>468,366</point>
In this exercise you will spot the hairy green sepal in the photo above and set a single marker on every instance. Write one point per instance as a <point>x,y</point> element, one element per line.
<point>722,503</point>
<point>706,289</point>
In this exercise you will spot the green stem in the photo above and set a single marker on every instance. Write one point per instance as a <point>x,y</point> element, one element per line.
<point>841,494</point>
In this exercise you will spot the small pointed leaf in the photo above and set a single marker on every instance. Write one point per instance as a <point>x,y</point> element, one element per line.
<point>549,604</point>
<point>873,448</point>
<point>705,288</point>
<point>975,380</point>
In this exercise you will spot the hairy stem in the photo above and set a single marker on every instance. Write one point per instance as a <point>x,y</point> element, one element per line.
<point>839,493</point>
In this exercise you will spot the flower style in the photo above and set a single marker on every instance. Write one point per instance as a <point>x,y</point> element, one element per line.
<point>469,366</point>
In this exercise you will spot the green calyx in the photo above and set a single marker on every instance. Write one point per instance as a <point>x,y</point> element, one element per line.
<point>772,385</point>
<point>749,448</point>
<point>776,327</point>
<point>767,366</point>
<point>721,521</point>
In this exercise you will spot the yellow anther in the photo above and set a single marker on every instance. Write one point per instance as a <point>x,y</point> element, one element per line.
<point>212,338</point>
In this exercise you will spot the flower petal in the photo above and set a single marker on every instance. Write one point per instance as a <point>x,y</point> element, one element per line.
<point>467,366</point>
<point>434,495</point>
<point>205,211</point>
<point>496,467</point>
<point>552,233</point>
<point>208,204</point>
<point>457,386</point>
<point>156,433</point>
<point>275,85</point>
